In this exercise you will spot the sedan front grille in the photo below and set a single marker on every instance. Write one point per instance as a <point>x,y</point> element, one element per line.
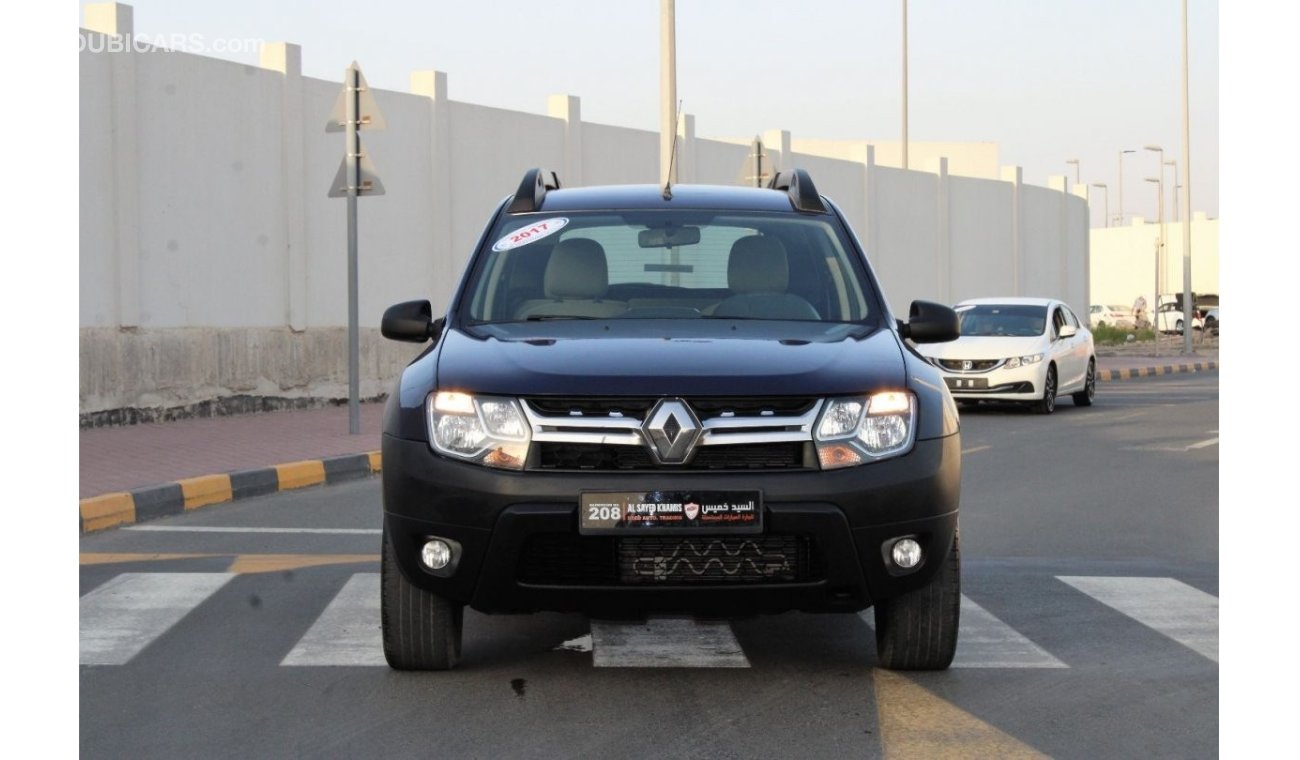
<point>976,365</point>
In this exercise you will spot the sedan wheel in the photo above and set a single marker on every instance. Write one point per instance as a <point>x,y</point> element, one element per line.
<point>1047,404</point>
<point>1085,396</point>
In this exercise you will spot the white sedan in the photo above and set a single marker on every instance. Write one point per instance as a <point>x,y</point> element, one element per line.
<point>1030,350</point>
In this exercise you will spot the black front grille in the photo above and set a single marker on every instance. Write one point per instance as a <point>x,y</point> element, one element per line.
<point>565,559</point>
<point>980,365</point>
<point>592,407</point>
<point>788,455</point>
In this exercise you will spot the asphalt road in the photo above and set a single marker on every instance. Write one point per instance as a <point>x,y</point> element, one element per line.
<point>1090,628</point>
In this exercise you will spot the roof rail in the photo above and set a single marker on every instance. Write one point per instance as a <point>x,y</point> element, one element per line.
<point>803,193</point>
<point>532,191</point>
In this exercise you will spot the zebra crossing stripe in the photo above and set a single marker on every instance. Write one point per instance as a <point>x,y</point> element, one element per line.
<point>984,641</point>
<point>1185,614</point>
<point>126,614</point>
<point>666,643</point>
<point>347,632</point>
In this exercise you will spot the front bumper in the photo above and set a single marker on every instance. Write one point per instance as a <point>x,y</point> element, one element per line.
<point>1023,383</point>
<point>845,516</point>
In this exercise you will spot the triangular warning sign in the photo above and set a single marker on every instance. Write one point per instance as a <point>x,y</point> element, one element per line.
<point>368,179</point>
<point>368,115</point>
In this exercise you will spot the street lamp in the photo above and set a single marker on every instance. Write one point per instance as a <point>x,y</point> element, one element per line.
<point>1121,184</point>
<point>1106,194</point>
<point>1160,245</point>
<point>1173,163</point>
<point>1074,161</point>
<point>1160,164</point>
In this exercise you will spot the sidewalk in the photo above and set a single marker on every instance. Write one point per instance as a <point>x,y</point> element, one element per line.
<point>138,472</point>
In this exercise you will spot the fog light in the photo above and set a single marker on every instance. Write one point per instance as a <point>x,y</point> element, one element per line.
<point>436,554</point>
<point>906,553</point>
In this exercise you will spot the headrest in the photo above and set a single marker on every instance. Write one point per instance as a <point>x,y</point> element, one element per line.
<point>758,264</point>
<point>576,269</point>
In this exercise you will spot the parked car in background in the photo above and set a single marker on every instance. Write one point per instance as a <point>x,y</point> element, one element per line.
<point>1110,316</point>
<point>1169,316</point>
<point>1028,350</point>
<point>1212,320</point>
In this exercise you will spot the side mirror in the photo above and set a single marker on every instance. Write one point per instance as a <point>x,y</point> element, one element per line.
<point>930,322</point>
<point>410,321</point>
<point>1069,331</point>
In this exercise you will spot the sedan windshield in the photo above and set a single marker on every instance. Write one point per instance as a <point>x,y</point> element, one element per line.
<point>669,265</point>
<point>1000,319</point>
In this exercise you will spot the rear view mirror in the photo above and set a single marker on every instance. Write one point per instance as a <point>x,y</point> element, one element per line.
<point>1069,331</point>
<point>930,322</point>
<point>410,321</point>
<point>668,237</point>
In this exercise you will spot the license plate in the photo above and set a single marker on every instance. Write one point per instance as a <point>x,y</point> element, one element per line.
<point>967,383</point>
<point>670,512</point>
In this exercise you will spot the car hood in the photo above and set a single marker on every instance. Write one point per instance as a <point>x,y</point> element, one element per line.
<point>670,358</point>
<point>985,347</point>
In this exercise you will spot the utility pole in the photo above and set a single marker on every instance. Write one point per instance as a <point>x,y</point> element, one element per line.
<point>667,95</point>
<point>904,84</point>
<point>1187,199</point>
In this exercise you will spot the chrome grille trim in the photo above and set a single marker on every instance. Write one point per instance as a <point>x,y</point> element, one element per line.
<point>627,430</point>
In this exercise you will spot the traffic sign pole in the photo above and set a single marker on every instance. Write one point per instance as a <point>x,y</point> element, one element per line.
<point>354,161</point>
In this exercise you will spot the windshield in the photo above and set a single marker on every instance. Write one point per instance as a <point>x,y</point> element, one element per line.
<point>999,319</point>
<point>668,265</point>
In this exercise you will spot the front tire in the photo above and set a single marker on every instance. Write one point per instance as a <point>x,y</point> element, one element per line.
<point>421,630</point>
<point>1047,404</point>
<point>1085,396</point>
<point>918,630</point>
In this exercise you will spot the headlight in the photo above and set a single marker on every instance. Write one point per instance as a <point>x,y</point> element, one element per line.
<point>856,430</point>
<point>1017,361</point>
<point>486,430</point>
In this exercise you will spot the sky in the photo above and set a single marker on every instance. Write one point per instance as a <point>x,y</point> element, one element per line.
<point>1047,80</point>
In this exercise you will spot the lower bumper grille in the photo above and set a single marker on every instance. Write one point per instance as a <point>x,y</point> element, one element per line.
<point>794,455</point>
<point>567,559</point>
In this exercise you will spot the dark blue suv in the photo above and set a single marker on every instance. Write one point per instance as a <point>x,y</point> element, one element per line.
<point>653,401</point>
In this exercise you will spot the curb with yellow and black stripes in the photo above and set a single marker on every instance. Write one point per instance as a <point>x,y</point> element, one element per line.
<point>1166,369</point>
<point>126,507</point>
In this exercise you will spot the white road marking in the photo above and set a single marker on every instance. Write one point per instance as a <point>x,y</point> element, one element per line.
<point>125,615</point>
<point>348,631</point>
<point>975,449</point>
<point>1203,444</point>
<point>1185,614</point>
<point>666,643</point>
<point>984,641</point>
<point>207,529</point>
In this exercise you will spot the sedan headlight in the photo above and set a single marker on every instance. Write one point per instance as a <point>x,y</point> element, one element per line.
<point>855,430</point>
<point>1017,361</point>
<point>483,429</point>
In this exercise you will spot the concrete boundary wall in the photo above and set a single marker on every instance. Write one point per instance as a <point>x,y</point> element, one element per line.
<point>213,265</point>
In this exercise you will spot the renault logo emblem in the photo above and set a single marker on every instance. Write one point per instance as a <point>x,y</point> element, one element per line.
<point>672,431</point>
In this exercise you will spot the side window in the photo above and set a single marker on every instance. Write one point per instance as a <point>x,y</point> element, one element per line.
<point>1058,319</point>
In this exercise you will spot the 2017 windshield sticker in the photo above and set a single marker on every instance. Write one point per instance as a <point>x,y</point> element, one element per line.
<point>531,233</point>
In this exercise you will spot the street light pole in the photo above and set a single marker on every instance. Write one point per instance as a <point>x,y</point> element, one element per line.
<point>1160,247</point>
<point>1187,195</point>
<point>904,84</point>
<point>1173,163</point>
<point>1121,184</point>
<point>1074,161</point>
<point>1106,195</point>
